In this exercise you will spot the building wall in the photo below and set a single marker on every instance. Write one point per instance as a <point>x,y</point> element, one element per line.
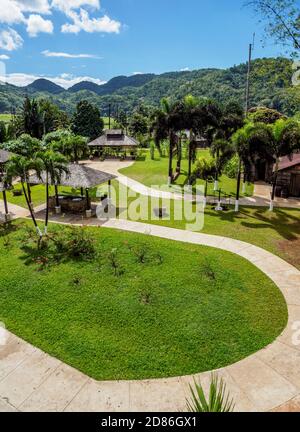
<point>285,177</point>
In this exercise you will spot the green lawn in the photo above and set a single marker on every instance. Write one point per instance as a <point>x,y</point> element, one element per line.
<point>156,319</point>
<point>155,173</point>
<point>5,117</point>
<point>106,122</point>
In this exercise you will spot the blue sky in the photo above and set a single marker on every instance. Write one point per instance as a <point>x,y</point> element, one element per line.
<point>68,40</point>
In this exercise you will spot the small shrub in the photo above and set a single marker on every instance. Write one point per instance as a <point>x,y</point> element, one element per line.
<point>145,297</point>
<point>218,401</point>
<point>141,252</point>
<point>114,262</point>
<point>208,270</point>
<point>74,243</point>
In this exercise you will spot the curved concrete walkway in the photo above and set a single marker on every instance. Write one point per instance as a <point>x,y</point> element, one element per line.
<point>31,380</point>
<point>260,198</point>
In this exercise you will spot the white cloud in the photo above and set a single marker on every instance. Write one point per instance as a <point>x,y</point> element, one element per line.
<point>10,40</point>
<point>38,6</point>
<point>64,80</point>
<point>36,24</point>
<point>67,5</point>
<point>4,57</point>
<point>47,53</point>
<point>82,21</point>
<point>10,12</point>
<point>186,69</point>
<point>137,73</point>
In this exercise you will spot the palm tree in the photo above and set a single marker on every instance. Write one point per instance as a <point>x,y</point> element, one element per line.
<point>54,166</point>
<point>20,166</point>
<point>190,105</point>
<point>241,145</point>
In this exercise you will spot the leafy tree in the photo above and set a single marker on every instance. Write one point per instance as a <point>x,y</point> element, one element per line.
<point>25,146</point>
<point>87,121</point>
<point>264,115</point>
<point>138,125</point>
<point>31,118</point>
<point>74,147</point>
<point>52,117</point>
<point>281,19</point>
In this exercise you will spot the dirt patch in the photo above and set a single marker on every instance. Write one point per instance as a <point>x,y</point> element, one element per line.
<point>291,249</point>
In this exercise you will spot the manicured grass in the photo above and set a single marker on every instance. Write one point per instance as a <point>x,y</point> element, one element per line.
<point>155,319</point>
<point>155,173</point>
<point>5,117</point>
<point>106,122</point>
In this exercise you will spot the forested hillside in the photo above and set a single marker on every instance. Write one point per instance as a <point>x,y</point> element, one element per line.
<point>271,85</point>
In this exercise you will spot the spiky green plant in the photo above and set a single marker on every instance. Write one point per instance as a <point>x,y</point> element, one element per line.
<point>219,399</point>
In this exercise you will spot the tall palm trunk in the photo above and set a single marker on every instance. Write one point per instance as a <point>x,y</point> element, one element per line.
<point>273,193</point>
<point>216,184</point>
<point>179,156</point>
<point>170,178</point>
<point>47,204</point>
<point>190,157</point>
<point>5,206</point>
<point>29,192</point>
<point>238,187</point>
<point>31,213</point>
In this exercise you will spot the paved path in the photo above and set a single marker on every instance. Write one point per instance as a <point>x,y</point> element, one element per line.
<point>261,197</point>
<point>31,380</point>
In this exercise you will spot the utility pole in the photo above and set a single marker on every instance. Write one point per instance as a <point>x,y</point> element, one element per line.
<point>109,115</point>
<point>251,48</point>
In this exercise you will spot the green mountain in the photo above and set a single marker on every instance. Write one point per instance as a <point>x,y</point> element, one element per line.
<point>271,85</point>
<point>44,85</point>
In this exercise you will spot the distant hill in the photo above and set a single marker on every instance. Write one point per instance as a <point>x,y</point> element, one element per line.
<point>270,85</point>
<point>114,84</point>
<point>44,85</point>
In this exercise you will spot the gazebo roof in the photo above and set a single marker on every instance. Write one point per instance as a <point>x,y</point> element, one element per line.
<point>79,176</point>
<point>114,138</point>
<point>5,156</point>
<point>289,162</point>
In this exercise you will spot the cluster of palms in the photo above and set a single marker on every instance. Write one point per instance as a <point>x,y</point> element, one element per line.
<point>201,118</point>
<point>228,133</point>
<point>268,142</point>
<point>47,159</point>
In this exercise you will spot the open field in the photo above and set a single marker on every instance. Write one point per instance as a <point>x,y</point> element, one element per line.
<point>153,319</point>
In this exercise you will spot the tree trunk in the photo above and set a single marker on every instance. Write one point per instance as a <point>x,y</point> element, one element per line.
<point>170,179</point>
<point>237,199</point>
<point>179,156</point>
<point>29,192</point>
<point>47,204</point>
<point>216,185</point>
<point>190,157</point>
<point>32,214</point>
<point>5,206</point>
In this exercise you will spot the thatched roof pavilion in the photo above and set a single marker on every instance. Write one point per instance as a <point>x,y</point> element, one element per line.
<point>113,138</point>
<point>78,177</point>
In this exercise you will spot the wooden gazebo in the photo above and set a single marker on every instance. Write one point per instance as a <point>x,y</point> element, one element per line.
<point>114,139</point>
<point>78,177</point>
